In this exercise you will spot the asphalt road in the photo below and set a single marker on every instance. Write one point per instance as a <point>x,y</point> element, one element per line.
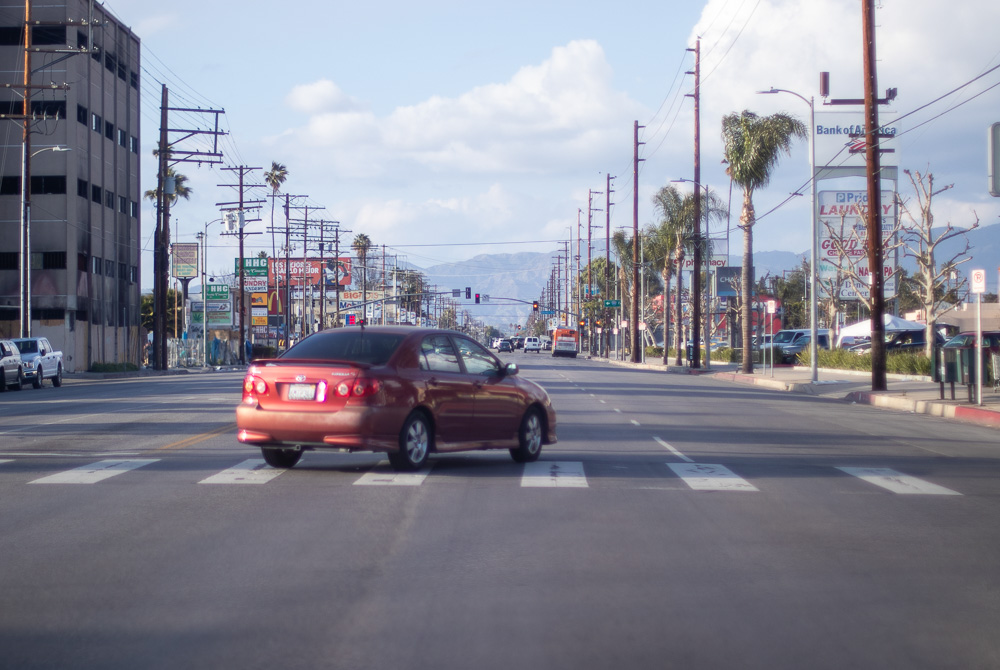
<point>680,522</point>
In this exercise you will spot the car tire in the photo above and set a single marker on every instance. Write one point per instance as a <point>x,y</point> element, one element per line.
<point>57,380</point>
<point>281,458</point>
<point>37,381</point>
<point>529,437</point>
<point>414,444</point>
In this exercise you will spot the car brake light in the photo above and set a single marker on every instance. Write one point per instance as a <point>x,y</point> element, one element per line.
<point>252,387</point>
<point>343,389</point>
<point>366,387</point>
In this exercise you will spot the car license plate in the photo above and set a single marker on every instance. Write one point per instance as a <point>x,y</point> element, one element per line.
<point>302,392</point>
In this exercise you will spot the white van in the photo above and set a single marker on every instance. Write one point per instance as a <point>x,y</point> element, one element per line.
<point>532,344</point>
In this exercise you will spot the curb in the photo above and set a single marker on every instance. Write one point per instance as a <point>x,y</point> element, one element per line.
<point>976,415</point>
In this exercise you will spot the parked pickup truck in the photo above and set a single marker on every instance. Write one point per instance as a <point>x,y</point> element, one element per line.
<point>41,361</point>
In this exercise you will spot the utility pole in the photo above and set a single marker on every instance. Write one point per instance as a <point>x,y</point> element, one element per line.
<point>874,222</point>
<point>241,171</point>
<point>607,261</point>
<point>696,260</point>
<point>168,155</point>
<point>634,317</point>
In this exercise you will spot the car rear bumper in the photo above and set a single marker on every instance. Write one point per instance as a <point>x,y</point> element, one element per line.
<point>361,429</point>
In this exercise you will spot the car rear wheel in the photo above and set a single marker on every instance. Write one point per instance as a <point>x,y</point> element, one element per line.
<point>57,380</point>
<point>281,458</point>
<point>37,381</point>
<point>529,438</point>
<point>414,444</point>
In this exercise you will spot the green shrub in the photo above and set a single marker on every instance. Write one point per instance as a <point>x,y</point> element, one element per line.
<point>900,363</point>
<point>654,352</point>
<point>113,367</point>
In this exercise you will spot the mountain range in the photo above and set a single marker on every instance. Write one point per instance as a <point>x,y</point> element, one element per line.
<point>513,281</point>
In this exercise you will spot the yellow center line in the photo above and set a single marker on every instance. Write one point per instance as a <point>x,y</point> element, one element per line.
<point>195,439</point>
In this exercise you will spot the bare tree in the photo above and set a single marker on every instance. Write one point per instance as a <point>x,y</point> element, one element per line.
<point>920,243</point>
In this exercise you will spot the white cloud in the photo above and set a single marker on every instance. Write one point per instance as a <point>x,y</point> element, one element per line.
<point>320,97</point>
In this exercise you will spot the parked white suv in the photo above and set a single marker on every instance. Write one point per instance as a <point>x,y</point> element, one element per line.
<point>532,344</point>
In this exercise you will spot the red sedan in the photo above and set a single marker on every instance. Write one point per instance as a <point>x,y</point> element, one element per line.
<point>404,391</point>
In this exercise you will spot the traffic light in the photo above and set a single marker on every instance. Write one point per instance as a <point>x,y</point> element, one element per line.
<point>468,292</point>
<point>477,298</point>
<point>582,323</point>
<point>534,306</point>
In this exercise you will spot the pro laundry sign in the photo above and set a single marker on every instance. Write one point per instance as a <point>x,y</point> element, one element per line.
<point>843,241</point>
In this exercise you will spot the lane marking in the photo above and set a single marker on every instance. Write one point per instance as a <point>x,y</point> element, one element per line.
<point>709,477</point>
<point>75,417</point>
<point>383,475</point>
<point>674,451</point>
<point>195,439</point>
<point>6,460</point>
<point>618,410</point>
<point>634,422</point>
<point>91,474</point>
<point>603,402</point>
<point>57,454</point>
<point>897,482</point>
<point>251,471</point>
<point>554,474</point>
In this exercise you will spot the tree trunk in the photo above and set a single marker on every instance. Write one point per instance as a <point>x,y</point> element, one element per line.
<point>746,283</point>
<point>679,313</point>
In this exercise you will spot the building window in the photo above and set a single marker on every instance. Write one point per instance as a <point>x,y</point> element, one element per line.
<point>9,260</point>
<point>81,114</point>
<point>48,35</point>
<point>95,123</point>
<point>48,185</point>
<point>95,52</point>
<point>133,144</point>
<point>133,79</point>
<point>95,193</point>
<point>109,268</point>
<point>109,199</point>
<point>110,62</point>
<point>81,40</point>
<point>122,138</point>
<point>122,271</point>
<point>11,37</point>
<point>11,107</point>
<point>133,274</point>
<point>122,71</point>
<point>133,209</point>
<point>51,314</point>
<point>109,130</point>
<point>49,108</point>
<point>10,186</point>
<point>123,204</point>
<point>53,260</point>
<point>82,187</point>
<point>97,265</point>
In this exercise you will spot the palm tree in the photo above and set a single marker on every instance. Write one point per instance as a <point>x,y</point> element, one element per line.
<point>622,245</point>
<point>753,145</point>
<point>274,178</point>
<point>361,244</point>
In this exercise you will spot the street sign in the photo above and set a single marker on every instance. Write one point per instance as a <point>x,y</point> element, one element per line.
<point>612,303</point>
<point>548,312</point>
<point>979,281</point>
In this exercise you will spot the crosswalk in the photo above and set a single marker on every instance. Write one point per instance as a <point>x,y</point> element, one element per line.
<point>540,474</point>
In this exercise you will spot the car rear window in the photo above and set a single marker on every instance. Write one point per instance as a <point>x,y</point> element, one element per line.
<point>27,346</point>
<point>356,346</point>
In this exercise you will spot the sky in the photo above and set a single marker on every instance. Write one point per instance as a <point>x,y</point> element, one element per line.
<point>447,129</point>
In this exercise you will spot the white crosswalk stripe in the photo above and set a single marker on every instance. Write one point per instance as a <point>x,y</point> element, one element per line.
<point>710,477</point>
<point>96,472</point>
<point>897,482</point>
<point>554,474</point>
<point>252,471</point>
<point>383,475</point>
<point>6,460</point>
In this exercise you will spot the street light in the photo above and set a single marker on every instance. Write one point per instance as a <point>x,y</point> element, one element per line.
<point>203,238</point>
<point>26,235</point>
<point>813,329</point>
<point>708,270</point>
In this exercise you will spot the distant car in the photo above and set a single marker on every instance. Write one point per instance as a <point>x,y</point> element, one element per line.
<point>991,341</point>
<point>795,341</point>
<point>532,344</point>
<point>547,344</point>
<point>505,345</point>
<point>41,361</point>
<point>900,340</point>
<point>11,366</point>
<point>408,392</point>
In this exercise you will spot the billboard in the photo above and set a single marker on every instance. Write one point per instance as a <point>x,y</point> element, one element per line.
<point>843,240</point>
<point>184,260</point>
<point>840,139</point>
<point>309,271</point>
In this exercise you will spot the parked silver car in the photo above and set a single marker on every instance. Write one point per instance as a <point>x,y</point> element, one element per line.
<point>11,366</point>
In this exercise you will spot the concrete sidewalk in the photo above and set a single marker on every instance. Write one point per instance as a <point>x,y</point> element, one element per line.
<point>916,394</point>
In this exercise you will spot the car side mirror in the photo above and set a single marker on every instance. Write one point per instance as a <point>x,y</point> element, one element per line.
<point>511,369</point>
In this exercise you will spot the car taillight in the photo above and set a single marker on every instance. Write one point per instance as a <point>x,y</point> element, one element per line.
<point>253,386</point>
<point>359,388</point>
